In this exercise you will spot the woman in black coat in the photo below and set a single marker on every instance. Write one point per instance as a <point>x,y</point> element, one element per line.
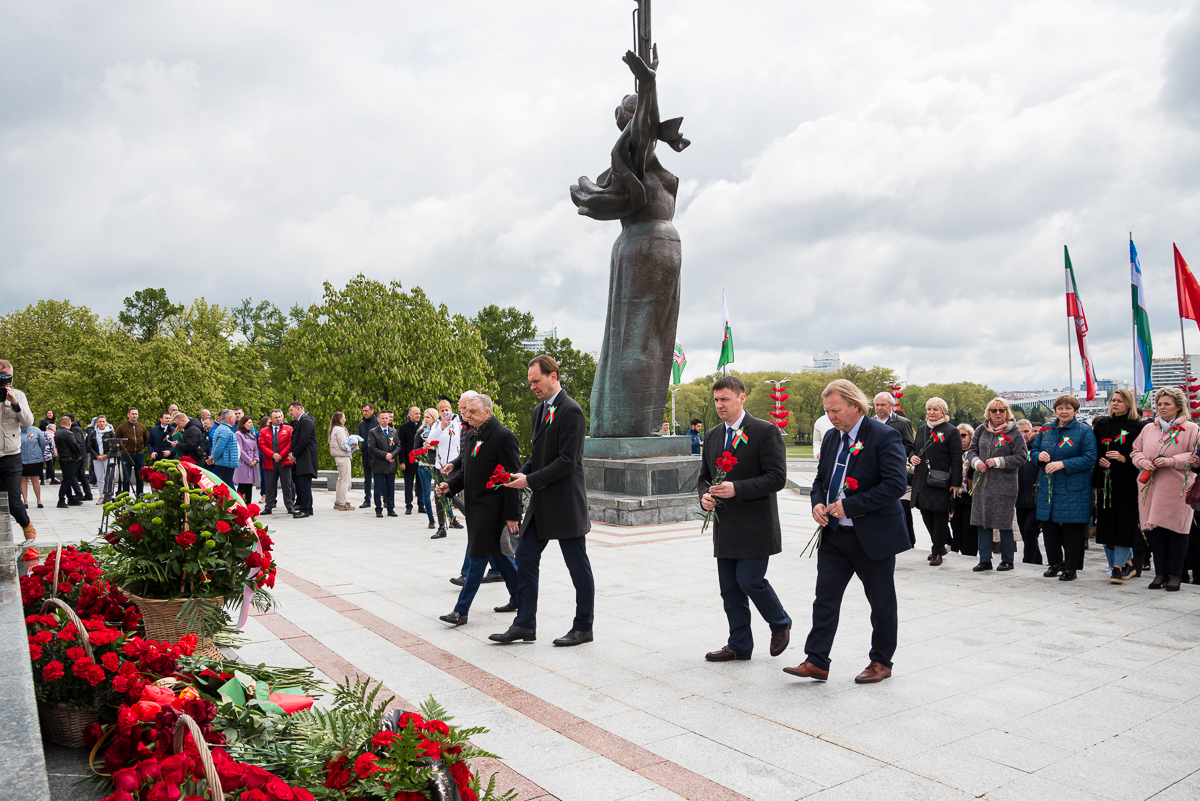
<point>1027,480</point>
<point>1115,479</point>
<point>964,538</point>
<point>937,448</point>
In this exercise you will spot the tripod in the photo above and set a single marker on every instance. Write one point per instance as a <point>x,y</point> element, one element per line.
<point>108,491</point>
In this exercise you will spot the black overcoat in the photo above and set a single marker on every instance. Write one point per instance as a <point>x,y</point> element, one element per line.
<point>364,430</point>
<point>946,455</point>
<point>746,526</point>
<point>1117,522</point>
<point>554,471</point>
<point>304,445</point>
<point>487,510</point>
<point>408,443</point>
<point>381,445</point>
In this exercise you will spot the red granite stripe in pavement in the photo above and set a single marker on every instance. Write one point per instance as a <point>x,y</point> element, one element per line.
<point>328,662</point>
<point>663,772</point>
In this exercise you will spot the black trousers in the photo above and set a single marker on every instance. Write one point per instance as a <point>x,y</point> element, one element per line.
<point>1064,543</point>
<point>367,476</point>
<point>48,470</point>
<point>529,560</point>
<point>1030,528</point>
<point>82,480</point>
<point>839,559</point>
<point>10,480</point>
<point>964,537</point>
<point>410,480</point>
<point>280,473</point>
<point>385,491</point>
<point>304,499</point>
<point>743,581</point>
<point>69,488</point>
<point>1170,551</point>
<point>246,491</point>
<point>938,525</point>
<point>908,521</point>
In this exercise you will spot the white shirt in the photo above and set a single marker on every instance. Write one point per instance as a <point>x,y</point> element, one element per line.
<point>853,433</point>
<point>100,432</point>
<point>734,426</point>
<point>447,440</point>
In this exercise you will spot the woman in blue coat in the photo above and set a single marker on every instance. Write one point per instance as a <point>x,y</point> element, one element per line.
<point>1066,451</point>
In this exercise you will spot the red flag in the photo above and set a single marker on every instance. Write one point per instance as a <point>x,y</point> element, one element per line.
<point>1187,287</point>
<point>1075,311</point>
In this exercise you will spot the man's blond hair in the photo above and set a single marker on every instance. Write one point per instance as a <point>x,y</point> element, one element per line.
<point>850,393</point>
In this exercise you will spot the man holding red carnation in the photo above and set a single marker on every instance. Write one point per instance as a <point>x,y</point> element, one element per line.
<point>856,497</point>
<point>746,529</point>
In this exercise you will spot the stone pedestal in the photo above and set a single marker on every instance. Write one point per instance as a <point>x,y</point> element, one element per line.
<point>640,481</point>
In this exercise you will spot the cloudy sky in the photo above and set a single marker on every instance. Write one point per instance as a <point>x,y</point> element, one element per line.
<point>892,179</point>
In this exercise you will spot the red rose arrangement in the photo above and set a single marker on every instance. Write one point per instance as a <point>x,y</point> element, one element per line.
<point>81,585</point>
<point>498,478</point>
<point>725,464</point>
<point>401,764</point>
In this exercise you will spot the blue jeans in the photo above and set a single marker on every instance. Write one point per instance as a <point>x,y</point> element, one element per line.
<point>491,561</point>
<point>476,565</point>
<point>1117,555</point>
<point>132,464</point>
<point>426,489</point>
<point>1008,545</point>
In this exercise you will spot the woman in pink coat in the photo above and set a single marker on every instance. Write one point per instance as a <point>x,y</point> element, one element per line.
<point>1165,452</point>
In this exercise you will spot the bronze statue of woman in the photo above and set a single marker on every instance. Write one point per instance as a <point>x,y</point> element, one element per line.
<point>634,370</point>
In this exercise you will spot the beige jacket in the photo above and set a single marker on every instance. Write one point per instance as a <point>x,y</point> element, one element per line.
<point>337,442</point>
<point>11,422</point>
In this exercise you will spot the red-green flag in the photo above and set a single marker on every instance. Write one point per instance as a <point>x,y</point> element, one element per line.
<point>1075,311</point>
<point>727,342</point>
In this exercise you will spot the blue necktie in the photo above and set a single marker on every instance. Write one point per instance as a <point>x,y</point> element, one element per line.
<point>728,436</point>
<point>839,471</point>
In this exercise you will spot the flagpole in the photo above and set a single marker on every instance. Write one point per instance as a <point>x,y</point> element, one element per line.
<point>1071,358</point>
<point>1133,318</point>
<point>1187,374</point>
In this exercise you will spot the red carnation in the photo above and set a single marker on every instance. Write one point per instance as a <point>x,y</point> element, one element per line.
<point>365,765</point>
<point>53,671</point>
<point>222,527</point>
<point>75,653</point>
<point>103,636</point>
<point>35,652</point>
<point>852,483</point>
<point>111,662</point>
<point>383,739</point>
<point>186,538</point>
<point>221,491</point>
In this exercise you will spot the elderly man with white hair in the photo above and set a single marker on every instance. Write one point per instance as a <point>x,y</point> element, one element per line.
<point>885,412</point>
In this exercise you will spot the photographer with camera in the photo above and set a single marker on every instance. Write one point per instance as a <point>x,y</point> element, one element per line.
<point>14,413</point>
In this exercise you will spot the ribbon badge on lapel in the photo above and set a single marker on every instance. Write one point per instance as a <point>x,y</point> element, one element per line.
<point>858,446</point>
<point>550,415</point>
<point>1065,442</point>
<point>475,450</point>
<point>1121,439</point>
<point>739,437</point>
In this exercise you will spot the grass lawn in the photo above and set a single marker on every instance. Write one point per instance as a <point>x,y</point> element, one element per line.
<point>800,450</point>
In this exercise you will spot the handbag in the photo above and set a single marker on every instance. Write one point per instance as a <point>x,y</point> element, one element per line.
<point>938,479</point>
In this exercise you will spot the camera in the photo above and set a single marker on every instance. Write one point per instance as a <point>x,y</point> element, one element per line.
<point>5,379</point>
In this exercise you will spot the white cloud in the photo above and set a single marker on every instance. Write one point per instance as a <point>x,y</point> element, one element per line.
<point>894,180</point>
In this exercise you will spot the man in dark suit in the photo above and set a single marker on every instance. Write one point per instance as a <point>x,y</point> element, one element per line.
<point>558,509</point>
<point>489,510</point>
<point>70,456</point>
<point>368,422</point>
<point>885,412</point>
<point>746,530</point>
<point>304,451</point>
<point>158,443</point>
<point>408,442</point>
<point>856,497</point>
<point>384,444</point>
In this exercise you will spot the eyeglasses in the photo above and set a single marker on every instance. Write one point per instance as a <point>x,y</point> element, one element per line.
<point>996,411</point>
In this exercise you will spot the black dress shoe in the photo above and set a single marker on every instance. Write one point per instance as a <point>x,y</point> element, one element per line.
<point>62,505</point>
<point>264,512</point>
<point>408,511</point>
<point>379,514</point>
<point>1053,571</point>
<point>981,567</point>
<point>508,607</point>
<point>491,578</point>
<point>392,513</point>
<point>432,524</point>
<point>458,581</point>
<point>513,634</point>
<point>454,619</point>
<point>291,511</point>
<point>75,502</point>
<point>574,637</point>
<point>437,535</point>
<point>1067,575</point>
<point>299,515</point>
<point>365,505</point>
<point>726,654</point>
<point>456,523</point>
<point>1005,566</point>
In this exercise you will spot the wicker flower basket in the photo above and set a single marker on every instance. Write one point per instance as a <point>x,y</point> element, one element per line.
<point>63,724</point>
<point>158,617</point>
<point>185,725</point>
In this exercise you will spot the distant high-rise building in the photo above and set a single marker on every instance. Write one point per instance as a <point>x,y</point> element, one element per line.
<point>1169,372</point>
<point>825,363</point>
<point>538,343</point>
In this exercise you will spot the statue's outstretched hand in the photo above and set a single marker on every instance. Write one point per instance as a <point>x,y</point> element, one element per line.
<point>638,67</point>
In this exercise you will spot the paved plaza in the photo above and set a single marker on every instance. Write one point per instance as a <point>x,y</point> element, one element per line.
<point>1006,686</point>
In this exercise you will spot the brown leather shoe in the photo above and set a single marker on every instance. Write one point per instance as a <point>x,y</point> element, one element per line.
<point>780,640</point>
<point>726,654</point>
<point>807,670</point>
<point>876,671</point>
<point>935,561</point>
<point>30,531</point>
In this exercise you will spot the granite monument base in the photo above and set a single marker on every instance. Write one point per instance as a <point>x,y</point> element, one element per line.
<point>641,481</point>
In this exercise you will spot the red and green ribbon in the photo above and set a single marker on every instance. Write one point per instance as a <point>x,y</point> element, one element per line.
<point>550,416</point>
<point>858,446</point>
<point>739,436</point>
<point>475,450</point>
<point>1065,442</point>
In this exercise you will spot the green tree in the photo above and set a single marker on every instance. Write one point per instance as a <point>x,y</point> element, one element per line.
<point>502,331</point>
<point>146,311</point>
<point>374,342</point>
<point>577,372</point>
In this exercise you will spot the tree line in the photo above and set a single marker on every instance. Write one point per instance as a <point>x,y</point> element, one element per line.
<point>365,342</point>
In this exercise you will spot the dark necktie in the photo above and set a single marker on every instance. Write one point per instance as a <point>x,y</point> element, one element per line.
<point>275,439</point>
<point>728,436</point>
<point>839,471</point>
